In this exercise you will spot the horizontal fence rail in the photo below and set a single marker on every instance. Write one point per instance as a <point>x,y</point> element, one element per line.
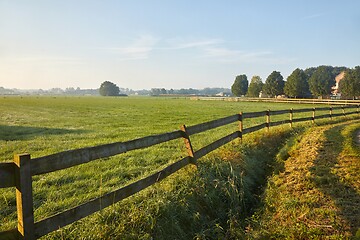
<point>72,158</point>
<point>19,173</point>
<point>202,127</point>
<point>281,100</point>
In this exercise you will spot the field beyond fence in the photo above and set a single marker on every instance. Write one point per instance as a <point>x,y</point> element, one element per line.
<point>19,173</point>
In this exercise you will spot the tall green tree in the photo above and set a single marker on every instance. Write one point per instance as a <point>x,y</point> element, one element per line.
<point>296,84</point>
<point>255,86</point>
<point>274,84</point>
<point>108,88</point>
<point>240,85</point>
<point>349,86</point>
<point>310,71</point>
<point>321,81</point>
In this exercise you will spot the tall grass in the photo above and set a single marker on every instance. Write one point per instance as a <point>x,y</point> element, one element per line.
<point>222,189</point>
<point>207,202</point>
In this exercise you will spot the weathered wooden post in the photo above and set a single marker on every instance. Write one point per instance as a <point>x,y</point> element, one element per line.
<point>24,199</point>
<point>343,110</point>
<point>291,117</point>
<point>330,114</point>
<point>313,115</point>
<point>240,125</point>
<point>268,119</point>
<point>188,145</point>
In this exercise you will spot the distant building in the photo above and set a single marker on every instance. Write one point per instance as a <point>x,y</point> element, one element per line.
<point>335,89</point>
<point>263,95</point>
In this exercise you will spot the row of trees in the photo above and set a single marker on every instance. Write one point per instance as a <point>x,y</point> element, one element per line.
<point>350,85</point>
<point>188,91</point>
<point>317,82</point>
<point>108,88</point>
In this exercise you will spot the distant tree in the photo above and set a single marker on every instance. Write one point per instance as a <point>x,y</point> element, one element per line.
<point>255,86</point>
<point>349,86</point>
<point>274,84</point>
<point>240,85</point>
<point>163,91</point>
<point>109,89</point>
<point>296,84</point>
<point>155,91</point>
<point>321,81</point>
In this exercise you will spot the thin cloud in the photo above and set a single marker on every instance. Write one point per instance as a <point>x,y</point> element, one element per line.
<point>316,15</point>
<point>183,44</point>
<point>220,52</point>
<point>140,48</point>
<point>228,55</point>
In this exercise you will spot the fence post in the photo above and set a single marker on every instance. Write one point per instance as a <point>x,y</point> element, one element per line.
<point>188,145</point>
<point>343,110</point>
<point>24,199</point>
<point>240,125</point>
<point>313,115</point>
<point>330,113</point>
<point>268,119</point>
<point>291,117</point>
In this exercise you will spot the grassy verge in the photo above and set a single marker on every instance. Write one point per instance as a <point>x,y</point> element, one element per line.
<point>317,195</point>
<point>207,202</point>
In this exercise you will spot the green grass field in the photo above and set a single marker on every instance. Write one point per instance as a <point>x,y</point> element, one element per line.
<point>45,125</point>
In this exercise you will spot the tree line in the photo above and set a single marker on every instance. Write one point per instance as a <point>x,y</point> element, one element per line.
<point>311,82</point>
<point>108,88</point>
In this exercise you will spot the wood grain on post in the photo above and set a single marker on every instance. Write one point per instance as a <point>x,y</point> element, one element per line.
<point>313,116</point>
<point>268,119</point>
<point>241,126</point>
<point>24,199</point>
<point>330,113</point>
<point>188,145</point>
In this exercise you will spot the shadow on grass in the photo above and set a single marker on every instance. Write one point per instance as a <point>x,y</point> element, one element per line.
<point>345,197</point>
<point>13,133</point>
<point>224,192</point>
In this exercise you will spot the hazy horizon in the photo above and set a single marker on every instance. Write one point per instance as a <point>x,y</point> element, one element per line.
<point>177,44</point>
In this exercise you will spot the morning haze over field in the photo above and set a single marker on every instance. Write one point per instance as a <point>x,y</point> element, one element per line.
<point>177,44</point>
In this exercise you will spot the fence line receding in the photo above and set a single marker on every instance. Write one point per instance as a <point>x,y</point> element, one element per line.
<point>19,172</point>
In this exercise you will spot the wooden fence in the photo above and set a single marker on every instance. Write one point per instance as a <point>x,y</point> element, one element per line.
<point>19,172</point>
<point>280,100</point>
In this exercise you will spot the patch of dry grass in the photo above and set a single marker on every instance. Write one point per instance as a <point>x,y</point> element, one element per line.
<point>317,195</point>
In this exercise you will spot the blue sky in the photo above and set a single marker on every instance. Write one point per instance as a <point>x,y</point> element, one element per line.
<point>142,44</point>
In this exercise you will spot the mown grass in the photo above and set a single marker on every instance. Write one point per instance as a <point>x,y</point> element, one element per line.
<point>317,195</point>
<point>205,204</point>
